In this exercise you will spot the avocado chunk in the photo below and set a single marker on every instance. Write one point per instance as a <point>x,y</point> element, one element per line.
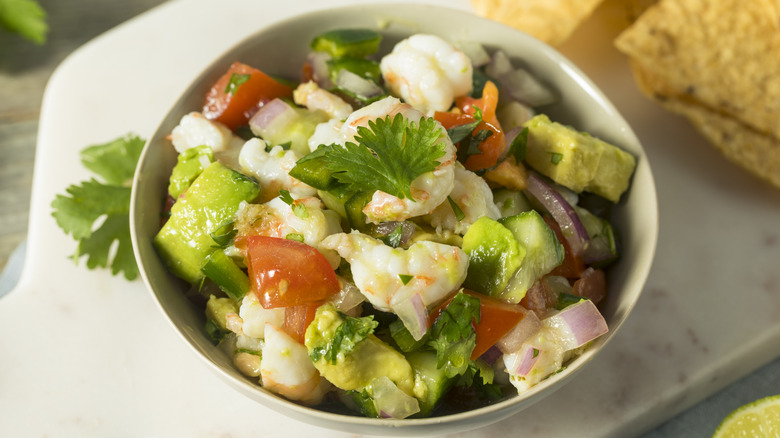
<point>189,164</point>
<point>430,382</point>
<point>358,359</point>
<point>543,253</point>
<point>185,240</point>
<point>217,310</point>
<point>577,160</point>
<point>494,256</point>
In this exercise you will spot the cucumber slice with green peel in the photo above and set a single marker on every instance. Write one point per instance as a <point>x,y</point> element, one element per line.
<point>495,255</point>
<point>430,382</point>
<point>224,272</point>
<point>511,202</point>
<point>340,43</point>
<point>543,253</point>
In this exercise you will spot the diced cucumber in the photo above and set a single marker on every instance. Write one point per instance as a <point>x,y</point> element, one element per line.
<point>340,43</point>
<point>224,272</point>
<point>511,202</point>
<point>185,240</point>
<point>494,256</point>
<point>430,382</point>
<point>602,247</point>
<point>543,252</point>
<point>365,68</point>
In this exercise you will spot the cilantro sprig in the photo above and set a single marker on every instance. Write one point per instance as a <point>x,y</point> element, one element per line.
<point>24,17</point>
<point>387,155</point>
<point>347,336</point>
<point>84,204</point>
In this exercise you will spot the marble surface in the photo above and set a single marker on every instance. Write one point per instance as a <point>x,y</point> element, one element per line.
<point>87,354</point>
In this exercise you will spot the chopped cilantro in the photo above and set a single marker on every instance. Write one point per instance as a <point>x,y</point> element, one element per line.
<point>460,132</point>
<point>555,157</point>
<point>459,215</point>
<point>294,236</point>
<point>536,352</point>
<point>389,154</point>
<point>472,146</point>
<point>453,336</point>
<point>393,238</point>
<point>224,235</point>
<point>235,81</point>
<point>405,279</point>
<point>83,205</point>
<point>299,210</point>
<point>24,17</point>
<point>519,146</point>
<point>347,336</point>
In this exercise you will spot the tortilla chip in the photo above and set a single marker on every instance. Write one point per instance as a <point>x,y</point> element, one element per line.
<point>755,151</point>
<point>724,54</point>
<point>551,21</point>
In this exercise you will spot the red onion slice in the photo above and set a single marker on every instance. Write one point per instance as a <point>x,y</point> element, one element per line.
<point>273,117</point>
<point>517,82</point>
<point>319,67</point>
<point>522,362</point>
<point>572,228</point>
<point>412,312</point>
<point>578,324</point>
<point>524,329</point>
<point>359,86</point>
<point>390,401</point>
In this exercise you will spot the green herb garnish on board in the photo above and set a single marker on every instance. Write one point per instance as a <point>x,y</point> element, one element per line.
<point>84,204</point>
<point>24,17</point>
<point>387,155</point>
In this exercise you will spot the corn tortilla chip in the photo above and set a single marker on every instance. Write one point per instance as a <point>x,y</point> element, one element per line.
<point>551,21</point>
<point>755,151</point>
<point>724,54</point>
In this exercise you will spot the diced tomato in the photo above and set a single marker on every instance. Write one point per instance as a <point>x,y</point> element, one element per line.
<point>298,318</point>
<point>572,265</point>
<point>592,285</point>
<point>234,104</point>
<point>286,273</point>
<point>450,120</point>
<point>495,145</point>
<point>496,319</point>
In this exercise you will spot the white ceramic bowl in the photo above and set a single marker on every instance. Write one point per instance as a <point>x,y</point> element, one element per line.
<point>280,49</point>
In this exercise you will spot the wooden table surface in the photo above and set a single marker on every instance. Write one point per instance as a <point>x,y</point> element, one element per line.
<point>24,70</point>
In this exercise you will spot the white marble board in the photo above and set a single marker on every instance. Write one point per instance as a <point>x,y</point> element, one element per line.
<point>87,354</point>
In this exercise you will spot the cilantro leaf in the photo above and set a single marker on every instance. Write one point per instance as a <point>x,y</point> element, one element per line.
<point>236,80</point>
<point>114,161</point>
<point>24,17</point>
<point>519,145</point>
<point>83,205</point>
<point>460,132</point>
<point>453,336</point>
<point>346,337</point>
<point>388,155</point>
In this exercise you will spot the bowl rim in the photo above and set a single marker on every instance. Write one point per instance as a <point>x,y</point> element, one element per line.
<point>457,421</point>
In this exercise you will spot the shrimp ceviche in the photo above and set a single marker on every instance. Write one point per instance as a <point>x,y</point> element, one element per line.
<point>396,235</point>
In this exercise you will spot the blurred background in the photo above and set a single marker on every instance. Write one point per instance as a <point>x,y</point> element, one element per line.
<point>25,68</point>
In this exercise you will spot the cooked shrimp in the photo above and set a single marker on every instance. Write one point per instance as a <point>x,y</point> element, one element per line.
<point>272,169</point>
<point>196,130</point>
<point>287,370</point>
<point>386,275</point>
<point>427,72</point>
<point>254,316</point>
<point>310,95</point>
<point>474,198</point>
<point>309,221</point>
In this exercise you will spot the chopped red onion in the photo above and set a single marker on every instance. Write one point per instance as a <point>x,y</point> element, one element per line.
<point>413,313</point>
<point>492,355</point>
<point>578,324</point>
<point>407,230</point>
<point>522,362</point>
<point>275,116</point>
<point>319,68</point>
<point>390,401</point>
<point>524,329</point>
<point>517,82</point>
<point>572,228</point>
<point>359,86</point>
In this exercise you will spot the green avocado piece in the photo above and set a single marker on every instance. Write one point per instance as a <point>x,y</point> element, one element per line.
<point>370,358</point>
<point>189,164</point>
<point>494,256</point>
<point>218,308</point>
<point>543,253</point>
<point>185,241</point>
<point>577,160</point>
<point>430,382</point>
